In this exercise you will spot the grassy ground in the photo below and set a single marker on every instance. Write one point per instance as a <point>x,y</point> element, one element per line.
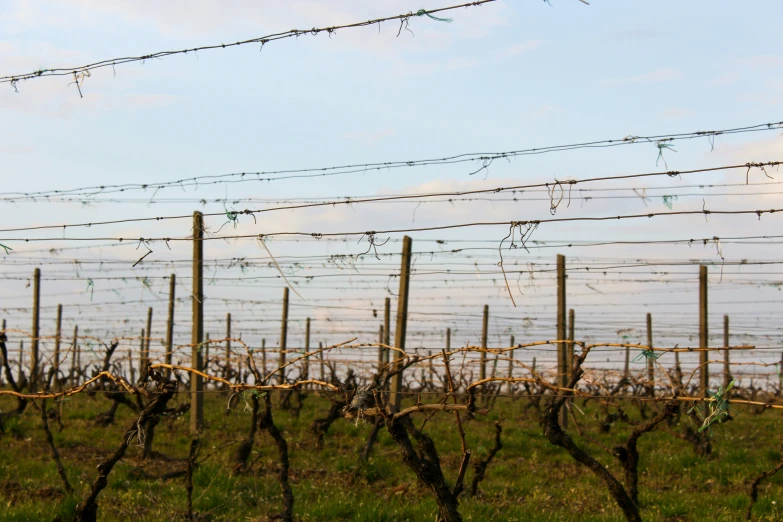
<point>529,480</point>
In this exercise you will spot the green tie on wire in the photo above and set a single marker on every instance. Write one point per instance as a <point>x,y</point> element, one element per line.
<point>422,12</point>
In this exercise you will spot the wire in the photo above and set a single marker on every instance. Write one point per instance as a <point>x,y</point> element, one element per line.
<point>485,158</point>
<point>263,40</point>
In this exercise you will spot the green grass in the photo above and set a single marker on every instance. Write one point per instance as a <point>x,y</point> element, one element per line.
<point>529,480</point>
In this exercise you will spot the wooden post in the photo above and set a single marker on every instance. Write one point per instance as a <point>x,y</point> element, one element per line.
<point>677,368</point>
<point>402,321</point>
<point>704,370</point>
<point>240,373</point>
<point>197,332</point>
<point>650,360</point>
<point>263,357</point>
<point>283,338</point>
<point>34,378</point>
<point>131,368</point>
<point>627,367</point>
<point>74,349</point>
<point>228,347</point>
<point>726,362</point>
<point>58,331</point>
<point>448,339</point>
<point>510,386</point>
<point>170,325</point>
<point>570,345</point>
<point>381,354</point>
<point>483,355</point>
<point>386,328</point>
<point>79,358</point>
<point>149,335</point>
<point>143,361</point>
<point>2,360</point>
<point>562,368</point>
<point>306,367</point>
<point>321,360</point>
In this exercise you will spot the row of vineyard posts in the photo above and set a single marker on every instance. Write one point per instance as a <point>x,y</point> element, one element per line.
<point>568,363</point>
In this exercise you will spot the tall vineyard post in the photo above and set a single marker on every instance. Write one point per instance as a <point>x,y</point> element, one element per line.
<point>170,326</point>
<point>74,352</point>
<point>562,373</point>
<point>36,327</point>
<point>58,332</point>
<point>402,322</point>
<point>148,338</point>
<point>510,387</point>
<point>704,369</point>
<point>227,373</point>
<point>386,333</point>
<point>197,332</point>
<point>306,363</point>
<point>650,360</point>
<point>484,333</point>
<point>283,338</point>
<point>726,357</point>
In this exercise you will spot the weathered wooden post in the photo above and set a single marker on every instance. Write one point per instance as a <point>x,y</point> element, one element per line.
<point>386,329</point>
<point>704,370</point>
<point>131,368</point>
<point>402,321</point>
<point>627,367</point>
<point>483,354</point>
<point>321,360</point>
<point>263,357</point>
<point>227,372</point>
<point>306,366</point>
<point>381,354</point>
<point>58,326</point>
<point>197,332</point>
<point>143,361</point>
<point>2,360</point>
<point>562,362</point>
<point>726,357</point>
<point>570,345</point>
<point>149,335</point>
<point>170,325</point>
<point>650,358</point>
<point>34,378</point>
<point>510,386</point>
<point>74,362</point>
<point>283,338</point>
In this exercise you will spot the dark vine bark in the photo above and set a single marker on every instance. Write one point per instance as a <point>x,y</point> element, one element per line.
<point>53,448</point>
<point>18,387</point>
<point>87,510</point>
<point>246,446</point>
<point>367,451</point>
<point>554,433</point>
<point>754,487</point>
<point>426,465</point>
<point>320,427</point>
<point>480,466</point>
<point>628,455</point>
<point>267,424</point>
<point>195,445</point>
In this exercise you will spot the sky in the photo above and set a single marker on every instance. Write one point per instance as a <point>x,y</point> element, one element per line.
<point>504,76</point>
